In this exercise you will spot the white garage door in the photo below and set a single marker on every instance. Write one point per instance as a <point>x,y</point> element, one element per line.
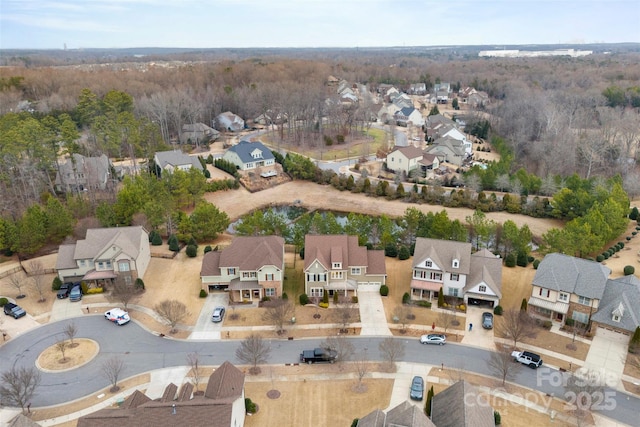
<point>369,285</point>
<point>613,335</point>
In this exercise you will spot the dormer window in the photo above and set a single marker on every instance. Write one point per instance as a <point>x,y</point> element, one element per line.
<point>456,263</point>
<point>617,313</point>
<point>615,318</point>
<point>428,264</point>
<point>336,265</point>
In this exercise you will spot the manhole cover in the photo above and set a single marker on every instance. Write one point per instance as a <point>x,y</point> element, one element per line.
<point>273,394</point>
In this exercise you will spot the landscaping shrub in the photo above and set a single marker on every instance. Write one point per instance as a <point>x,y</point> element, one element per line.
<point>510,260</point>
<point>323,305</point>
<point>569,322</point>
<point>84,287</point>
<point>203,293</point>
<point>94,291</point>
<point>156,240</point>
<point>605,255</point>
<point>55,285</point>
<point>497,419</point>
<point>301,253</point>
<point>404,253</point>
<point>3,301</point>
<point>304,299</point>
<point>354,299</point>
<point>441,302</point>
<point>634,344</point>
<point>207,249</point>
<point>547,324</point>
<point>355,421</point>
<point>523,304</point>
<point>207,174</point>
<point>522,260</point>
<point>139,284</point>
<point>536,263</point>
<point>426,304</point>
<point>634,214</point>
<point>599,258</point>
<point>266,299</point>
<point>391,250</point>
<point>335,297</point>
<point>497,310</point>
<point>192,241</point>
<point>629,270</point>
<point>406,298</point>
<point>192,251</point>
<point>384,290</point>
<point>173,243</point>
<point>325,298</point>
<point>249,406</point>
<point>285,296</point>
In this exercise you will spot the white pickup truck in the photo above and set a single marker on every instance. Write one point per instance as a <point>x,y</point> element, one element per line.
<point>532,360</point>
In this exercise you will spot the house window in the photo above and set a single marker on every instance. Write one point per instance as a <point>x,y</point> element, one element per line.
<point>123,266</point>
<point>436,276</point>
<point>336,265</point>
<point>615,318</point>
<point>127,280</point>
<point>482,288</point>
<point>580,317</point>
<point>356,271</point>
<point>545,292</point>
<point>419,274</point>
<point>270,292</point>
<point>82,263</point>
<point>428,263</point>
<point>453,292</point>
<point>257,154</point>
<point>563,296</point>
<point>270,276</point>
<point>456,263</point>
<point>317,292</point>
<point>248,274</point>
<point>231,271</point>
<point>318,277</point>
<point>543,311</point>
<point>108,264</point>
<point>336,274</point>
<point>455,277</point>
<point>100,265</point>
<point>584,300</point>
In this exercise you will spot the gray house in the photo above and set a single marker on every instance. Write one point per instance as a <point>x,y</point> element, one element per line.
<point>197,133</point>
<point>448,150</point>
<point>80,173</point>
<point>176,159</point>
<point>619,309</point>
<point>251,155</point>
<point>460,405</point>
<point>405,415</point>
<point>228,121</point>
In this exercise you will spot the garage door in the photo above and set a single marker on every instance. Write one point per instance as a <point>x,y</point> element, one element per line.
<point>369,285</point>
<point>613,335</point>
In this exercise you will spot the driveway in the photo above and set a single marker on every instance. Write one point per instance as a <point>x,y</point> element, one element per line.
<point>372,316</point>
<point>607,356</point>
<point>205,329</point>
<point>478,336</point>
<point>65,309</point>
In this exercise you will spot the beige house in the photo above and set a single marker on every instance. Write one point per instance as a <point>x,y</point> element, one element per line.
<point>566,287</point>
<point>336,263</point>
<point>222,405</point>
<point>404,159</point>
<point>104,255</point>
<point>251,268</point>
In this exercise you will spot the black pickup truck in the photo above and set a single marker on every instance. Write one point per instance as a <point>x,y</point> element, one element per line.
<point>318,355</point>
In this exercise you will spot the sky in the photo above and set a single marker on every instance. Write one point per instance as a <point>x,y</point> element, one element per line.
<point>54,24</point>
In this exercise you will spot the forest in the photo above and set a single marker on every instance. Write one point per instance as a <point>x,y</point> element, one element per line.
<point>566,124</point>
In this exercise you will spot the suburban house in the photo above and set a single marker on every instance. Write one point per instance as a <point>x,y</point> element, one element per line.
<point>336,263</point>
<point>473,97</point>
<point>449,150</point>
<point>252,155</point>
<point>197,133</point>
<point>418,88</point>
<point>437,125</point>
<point>80,173</point>
<point>455,133</point>
<point>619,309</point>
<point>566,287</point>
<point>408,115</point>
<point>460,405</point>
<point>176,160</point>
<point>441,92</point>
<point>410,158</point>
<point>228,121</point>
<point>450,265</point>
<point>222,405</point>
<point>104,255</point>
<point>404,415</point>
<point>250,268</point>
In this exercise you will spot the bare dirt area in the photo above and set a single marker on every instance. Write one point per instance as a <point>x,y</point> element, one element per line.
<point>76,354</point>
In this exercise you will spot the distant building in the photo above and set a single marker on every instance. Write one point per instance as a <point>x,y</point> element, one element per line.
<point>176,160</point>
<point>80,173</point>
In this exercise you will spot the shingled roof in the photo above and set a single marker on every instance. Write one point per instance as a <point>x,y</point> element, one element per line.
<point>330,248</point>
<point>621,297</point>
<point>460,405</point>
<point>578,276</point>
<point>442,253</point>
<point>248,253</point>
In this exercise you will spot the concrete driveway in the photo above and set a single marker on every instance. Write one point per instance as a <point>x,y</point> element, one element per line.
<point>205,329</point>
<point>478,336</point>
<point>65,309</point>
<point>607,356</point>
<point>372,316</point>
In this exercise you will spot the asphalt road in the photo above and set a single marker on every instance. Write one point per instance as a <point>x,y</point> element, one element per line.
<point>142,351</point>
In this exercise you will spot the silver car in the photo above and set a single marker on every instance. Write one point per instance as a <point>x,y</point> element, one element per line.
<point>218,314</point>
<point>439,339</point>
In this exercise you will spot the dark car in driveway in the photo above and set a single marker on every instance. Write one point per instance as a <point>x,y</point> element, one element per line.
<point>14,310</point>
<point>76,292</point>
<point>65,290</point>
<point>417,388</point>
<point>487,320</point>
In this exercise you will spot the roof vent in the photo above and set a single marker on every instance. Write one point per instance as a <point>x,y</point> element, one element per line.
<point>173,409</point>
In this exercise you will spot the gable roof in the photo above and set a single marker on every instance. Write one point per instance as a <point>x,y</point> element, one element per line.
<point>485,268</point>
<point>442,253</point>
<point>329,248</point>
<point>410,151</point>
<point>95,169</point>
<point>176,158</point>
<point>403,415</point>
<point>225,383</point>
<point>560,272</point>
<point>248,253</point>
<point>460,405</point>
<point>621,295</point>
<point>244,149</point>
<point>22,420</point>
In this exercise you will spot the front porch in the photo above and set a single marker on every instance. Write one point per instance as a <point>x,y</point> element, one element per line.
<point>245,291</point>
<point>548,310</point>
<point>100,279</point>
<point>344,288</point>
<point>424,290</point>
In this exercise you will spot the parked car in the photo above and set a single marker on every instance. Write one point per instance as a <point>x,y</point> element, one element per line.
<point>487,320</point>
<point>528,358</point>
<point>318,355</point>
<point>439,339</point>
<point>218,314</point>
<point>76,293</point>
<point>64,290</point>
<point>14,310</point>
<point>417,388</point>
<point>117,316</point>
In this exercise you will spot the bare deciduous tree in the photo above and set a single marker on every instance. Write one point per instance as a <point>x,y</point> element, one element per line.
<point>361,367</point>
<point>172,311</point>
<point>17,282</point>
<point>111,370</point>
<point>18,385</point>
<point>501,364</point>
<point>278,312</point>
<point>446,319</point>
<point>584,389</point>
<point>342,345</point>
<point>124,292</point>
<point>37,279</point>
<point>392,350</point>
<point>344,314</point>
<point>253,350</point>
<point>71,330</point>
<point>62,345</point>
<point>516,325</point>
<point>193,359</point>
<point>403,313</point>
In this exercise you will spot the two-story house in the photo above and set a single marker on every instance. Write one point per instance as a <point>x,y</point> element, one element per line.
<point>619,310</point>
<point>407,115</point>
<point>170,161</point>
<point>449,150</point>
<point>409,159</point>
<point>252,155</point>
<point>446,264</point>
<point>80,173</point>
<point>251,268</point>
<point>104,255</point>
<point>566,287</point>
<point>336,263</point>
